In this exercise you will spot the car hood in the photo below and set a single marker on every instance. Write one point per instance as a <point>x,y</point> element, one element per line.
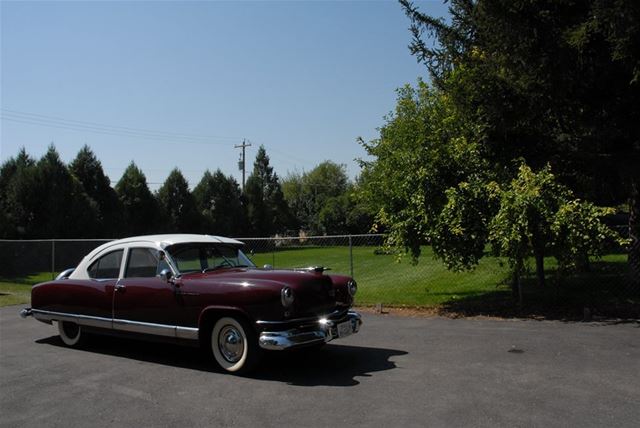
<point>257,275</point>
<point>314,292</point>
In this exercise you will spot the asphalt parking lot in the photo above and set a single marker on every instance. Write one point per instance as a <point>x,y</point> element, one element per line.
<point>397,371</point>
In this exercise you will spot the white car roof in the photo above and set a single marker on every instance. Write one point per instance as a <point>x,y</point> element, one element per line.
<point>164,241</point>
<point>156,241</point>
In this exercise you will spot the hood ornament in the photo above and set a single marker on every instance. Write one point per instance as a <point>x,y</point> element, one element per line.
<point>315,269</point>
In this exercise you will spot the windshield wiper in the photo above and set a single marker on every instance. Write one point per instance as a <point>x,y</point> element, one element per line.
<point>224,265</point>
<point>209,269</point>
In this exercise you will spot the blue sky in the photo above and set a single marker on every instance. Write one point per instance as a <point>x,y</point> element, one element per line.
<point>178,84</point>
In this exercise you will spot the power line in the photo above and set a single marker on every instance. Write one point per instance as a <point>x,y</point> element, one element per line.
<point>98,128</point>
<point>292,159</point>
<point>138,130</point>
<point>116,130</point>
<point>118,134</point>
<point>123,131</point>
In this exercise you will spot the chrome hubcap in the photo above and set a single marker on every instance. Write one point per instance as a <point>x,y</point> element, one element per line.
<point>231,343</point>
<point>71,329</point>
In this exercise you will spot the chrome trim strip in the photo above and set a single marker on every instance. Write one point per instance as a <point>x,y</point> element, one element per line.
<point>65,274</point>
<point>144,327</point>
<point>190,333</point>
<point>87,320</point>
<point>304,320</point>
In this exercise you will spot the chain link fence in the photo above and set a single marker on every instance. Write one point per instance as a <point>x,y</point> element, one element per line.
<point>387,280</point>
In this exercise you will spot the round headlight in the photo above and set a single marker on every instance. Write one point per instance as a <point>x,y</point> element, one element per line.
<point>286,296</point>
<point>353,287</point>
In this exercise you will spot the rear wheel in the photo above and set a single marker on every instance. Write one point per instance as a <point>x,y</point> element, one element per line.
<point>234,345</point>
<point>70,332</point>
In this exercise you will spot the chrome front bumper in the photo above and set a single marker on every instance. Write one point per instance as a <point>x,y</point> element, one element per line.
<point>322,330</point>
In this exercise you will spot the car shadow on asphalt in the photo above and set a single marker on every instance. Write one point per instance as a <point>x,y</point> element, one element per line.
<point>331,365</point>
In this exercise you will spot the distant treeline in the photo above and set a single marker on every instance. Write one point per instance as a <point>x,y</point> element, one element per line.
<point>46,198</point>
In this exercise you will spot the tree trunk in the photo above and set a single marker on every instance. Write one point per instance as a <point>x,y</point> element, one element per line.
<point>634,232</point>
<point>516,288</point>
<point>540,267</point>
<point>582,263</point>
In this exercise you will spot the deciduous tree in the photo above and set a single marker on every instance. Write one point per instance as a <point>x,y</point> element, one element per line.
<point>425,147</point>
<point>307,194</point>
<point>553,82</point>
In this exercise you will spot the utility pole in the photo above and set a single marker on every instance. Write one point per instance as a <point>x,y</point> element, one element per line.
<point>241,162</point>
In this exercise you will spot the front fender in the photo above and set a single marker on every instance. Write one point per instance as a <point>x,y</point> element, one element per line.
<point>220,309</point>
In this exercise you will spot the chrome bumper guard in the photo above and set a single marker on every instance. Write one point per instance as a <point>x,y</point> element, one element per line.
<point>26,312</point>
<point>324,330</point>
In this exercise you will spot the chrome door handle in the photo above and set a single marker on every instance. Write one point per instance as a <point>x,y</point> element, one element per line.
<point>120,287</point>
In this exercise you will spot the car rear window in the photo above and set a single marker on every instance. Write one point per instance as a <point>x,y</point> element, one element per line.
<point>107,266</point>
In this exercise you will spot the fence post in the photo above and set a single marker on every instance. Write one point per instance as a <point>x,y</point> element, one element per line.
<point>53,259</point>
<point>351,255</point>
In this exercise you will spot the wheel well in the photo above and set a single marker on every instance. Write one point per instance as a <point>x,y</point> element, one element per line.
<point>210,316</point>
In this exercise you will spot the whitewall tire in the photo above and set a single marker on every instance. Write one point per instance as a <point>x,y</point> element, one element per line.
<point>70,332</point>
<point>234,345</point>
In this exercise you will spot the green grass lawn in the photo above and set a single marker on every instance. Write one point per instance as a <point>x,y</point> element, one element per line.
<point>14,294</point>
<point>486,289</point>
<point>17,290</point>
<point>381,279</point>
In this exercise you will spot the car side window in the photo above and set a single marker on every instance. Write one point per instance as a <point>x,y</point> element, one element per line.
<point>144,263</point>
<point>107,266</point>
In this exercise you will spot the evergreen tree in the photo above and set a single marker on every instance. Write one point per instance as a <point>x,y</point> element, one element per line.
<point>267,210</point>
<point>63,210</point>
<point>178,205</point>
<point>17,197</point>
<point>139,207</point>
<point>88,170</point>
<point>219,201</point>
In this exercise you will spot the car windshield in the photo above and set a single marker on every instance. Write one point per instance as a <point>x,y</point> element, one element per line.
<point>207,257</point>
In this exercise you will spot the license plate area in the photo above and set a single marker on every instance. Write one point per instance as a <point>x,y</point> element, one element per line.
<point>345,329</point>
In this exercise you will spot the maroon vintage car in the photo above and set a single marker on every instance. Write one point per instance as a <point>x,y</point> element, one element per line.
<point>197,289</point>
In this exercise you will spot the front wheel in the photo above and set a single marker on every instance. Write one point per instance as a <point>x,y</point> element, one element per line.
<point>70,332</point>
<point>234,345</point>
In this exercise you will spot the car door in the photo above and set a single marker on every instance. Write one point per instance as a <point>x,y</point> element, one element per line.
<point>142,301</point>
<point>92,298</point>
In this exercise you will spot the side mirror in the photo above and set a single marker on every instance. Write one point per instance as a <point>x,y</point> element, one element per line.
<point>166,275</point>
<point>267,267</point>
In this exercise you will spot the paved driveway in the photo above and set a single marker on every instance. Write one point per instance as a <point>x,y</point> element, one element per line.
<point>397,372</point>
